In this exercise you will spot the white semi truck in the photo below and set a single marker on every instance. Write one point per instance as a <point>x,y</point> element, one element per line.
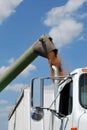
<point>61,106</point>
<point>52,106</point>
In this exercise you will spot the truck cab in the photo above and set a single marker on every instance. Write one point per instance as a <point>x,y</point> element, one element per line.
<point>68,108</point>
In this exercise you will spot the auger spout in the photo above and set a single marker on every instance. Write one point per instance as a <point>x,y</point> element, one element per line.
<point>40,48</point>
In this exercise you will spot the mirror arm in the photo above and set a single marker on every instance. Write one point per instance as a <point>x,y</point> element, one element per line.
<point>59,115</point>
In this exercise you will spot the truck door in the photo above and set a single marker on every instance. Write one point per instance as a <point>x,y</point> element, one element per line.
<point>64,122</point>
<point>65,106</point>
<point>82,125</point>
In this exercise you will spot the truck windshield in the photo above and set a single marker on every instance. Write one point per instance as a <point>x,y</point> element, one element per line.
<point>83,90</point>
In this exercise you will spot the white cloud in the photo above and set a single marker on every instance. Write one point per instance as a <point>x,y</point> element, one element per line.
<point>7,7</point>
<point>12,60</point>
<point>65,32</point>
<point>3,102</point>
<point>17,87</point>
<point>74,5</point>
<point>24,73</point>
<point>82,15</point>
<point>3,70</point>
<point>4,110</point>
<point>63,22</point>
<point>27,71</point>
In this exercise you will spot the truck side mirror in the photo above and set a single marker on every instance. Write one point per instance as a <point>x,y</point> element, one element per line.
<point>37,98</point>
<point>37,114</point>
<point>37,93</point>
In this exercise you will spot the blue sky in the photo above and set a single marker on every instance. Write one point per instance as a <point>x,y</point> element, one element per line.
<point>22,22</point>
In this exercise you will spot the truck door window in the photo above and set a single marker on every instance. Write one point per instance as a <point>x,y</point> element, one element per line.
<point>83,90</point>
<point>65,105</point>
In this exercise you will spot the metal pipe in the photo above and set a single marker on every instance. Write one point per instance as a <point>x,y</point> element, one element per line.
<point>17,67</point>
<point>41,47</point>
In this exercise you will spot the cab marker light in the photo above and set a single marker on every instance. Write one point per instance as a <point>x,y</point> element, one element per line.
<point>84,70</point>
<point>73,128</point>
